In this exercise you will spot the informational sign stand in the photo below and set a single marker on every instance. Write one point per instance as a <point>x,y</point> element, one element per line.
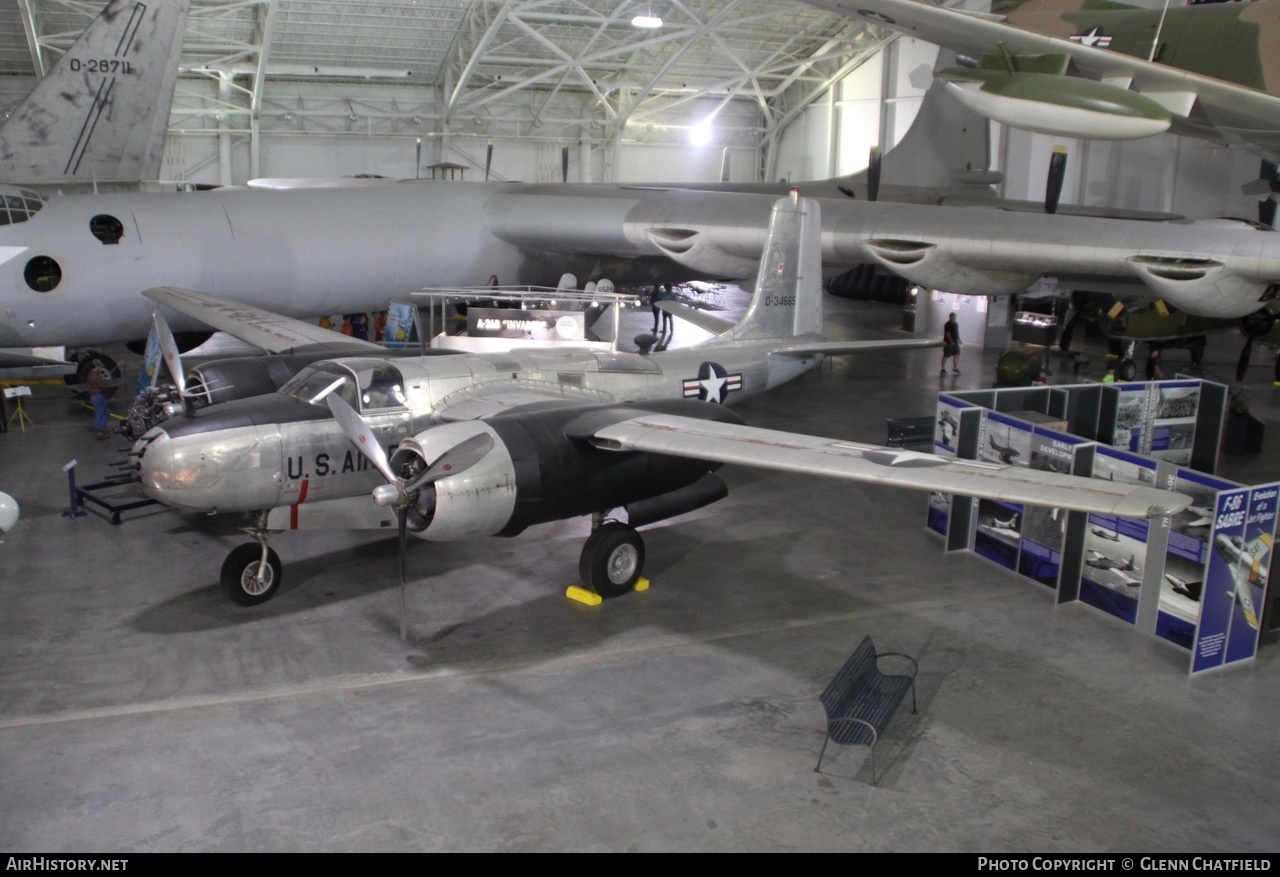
<point>19,414</point>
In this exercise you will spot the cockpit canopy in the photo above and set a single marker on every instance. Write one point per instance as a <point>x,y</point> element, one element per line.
<point>18,204</point>
<point>367,385</point>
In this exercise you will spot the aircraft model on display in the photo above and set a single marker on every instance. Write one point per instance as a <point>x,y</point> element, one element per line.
<point>1250,566</point>
<point>1106,70</point>
<point>490,444</point>
<point>1105,534</point>
<point>100,116</point>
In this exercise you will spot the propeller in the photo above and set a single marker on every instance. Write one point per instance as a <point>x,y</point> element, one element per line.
<point>403,491</point>
<point>564,164</point>
<point>169,352</point>
<point>1057,174</point>
<point>873,173</point>
<point>488,160</point>
<point>1267,206</point>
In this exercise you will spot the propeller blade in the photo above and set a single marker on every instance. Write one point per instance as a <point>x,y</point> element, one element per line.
<point>488,160</point>
<point>1057,174</point>
<point>459,458</point>
<point>169,351</point>
<point>564,164</point>
<point>360,434</point>
<point>1243,365</point>
<point>873,173</point>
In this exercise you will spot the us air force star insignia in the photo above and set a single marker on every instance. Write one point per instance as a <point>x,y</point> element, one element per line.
<point>712,385</point>
<point>1092,37</point>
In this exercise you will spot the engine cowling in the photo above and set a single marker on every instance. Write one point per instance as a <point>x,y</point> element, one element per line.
<point>542,467</point>
<point>923,263</point>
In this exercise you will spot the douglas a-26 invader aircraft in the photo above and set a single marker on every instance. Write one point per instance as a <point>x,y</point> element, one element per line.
<point>491,443</point>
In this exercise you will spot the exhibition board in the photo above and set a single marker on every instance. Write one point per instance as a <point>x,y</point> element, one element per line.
<point>1197,579</point>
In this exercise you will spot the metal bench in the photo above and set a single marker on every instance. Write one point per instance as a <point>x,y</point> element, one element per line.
<point>905,431</point>
<point>861,700</point>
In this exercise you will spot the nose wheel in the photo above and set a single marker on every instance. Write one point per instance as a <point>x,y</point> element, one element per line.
<point>251,574</point>
<point>612,560</point>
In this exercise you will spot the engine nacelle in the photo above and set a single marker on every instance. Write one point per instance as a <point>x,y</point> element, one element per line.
<point>543,467</point>
<point>1203,286</point>
<point>222,380</point>
<point>921,262</point>
<point>693,250</point>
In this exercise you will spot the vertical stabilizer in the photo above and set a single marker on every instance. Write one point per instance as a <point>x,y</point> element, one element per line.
<point>788,293</point>
<point>101,114</point>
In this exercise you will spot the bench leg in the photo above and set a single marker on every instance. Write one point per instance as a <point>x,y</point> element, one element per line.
<point>821,753</point>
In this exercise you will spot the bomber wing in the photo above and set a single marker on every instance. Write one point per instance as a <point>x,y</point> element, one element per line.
<point>1201,106</point>
<point>261,328</point>
<point>813,455</point>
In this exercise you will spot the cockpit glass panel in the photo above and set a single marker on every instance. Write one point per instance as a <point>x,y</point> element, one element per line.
<point>313,386</point>
<point>381,387</point>
<point>18,205</point>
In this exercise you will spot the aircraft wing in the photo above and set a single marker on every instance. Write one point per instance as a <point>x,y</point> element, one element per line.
<point>1202,106</point>
<point>259,327</point>
<point>813,455</point>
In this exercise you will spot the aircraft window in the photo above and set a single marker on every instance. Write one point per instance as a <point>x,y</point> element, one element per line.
<point>18,205</point>
<point>106,228</point>
<point>383,388</point>
<point>42,274</point>
<point>313,385</point>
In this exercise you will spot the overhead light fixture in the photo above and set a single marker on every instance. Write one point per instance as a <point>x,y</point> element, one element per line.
<point>647,21</point>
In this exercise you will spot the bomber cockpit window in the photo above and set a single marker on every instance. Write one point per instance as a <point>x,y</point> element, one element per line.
<point>313,385</point>
<point>381,387</point>
<point>18,205</point>
<point>106,228</point>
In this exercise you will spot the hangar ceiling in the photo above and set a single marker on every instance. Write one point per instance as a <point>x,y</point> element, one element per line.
<point>557,70</point>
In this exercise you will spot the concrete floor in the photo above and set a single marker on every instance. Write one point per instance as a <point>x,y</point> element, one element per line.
<point>140,711</point>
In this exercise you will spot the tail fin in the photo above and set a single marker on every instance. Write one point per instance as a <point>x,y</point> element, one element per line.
<point>101,114</point>
<point>788,293</point>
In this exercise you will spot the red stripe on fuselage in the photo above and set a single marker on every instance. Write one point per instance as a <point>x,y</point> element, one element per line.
<point>293,509</point>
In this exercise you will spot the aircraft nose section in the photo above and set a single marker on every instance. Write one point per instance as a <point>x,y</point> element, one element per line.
<point>154,455</point>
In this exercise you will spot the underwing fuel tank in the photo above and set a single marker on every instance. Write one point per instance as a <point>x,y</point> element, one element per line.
<point>1061,105</point>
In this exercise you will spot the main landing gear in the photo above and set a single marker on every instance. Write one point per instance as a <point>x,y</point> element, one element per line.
<point>612,559</point>
<point>611,563</point>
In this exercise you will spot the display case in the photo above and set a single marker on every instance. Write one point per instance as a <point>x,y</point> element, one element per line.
<point>1030,327</point>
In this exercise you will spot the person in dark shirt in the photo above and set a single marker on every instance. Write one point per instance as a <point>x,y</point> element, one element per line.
<point>951,345</point>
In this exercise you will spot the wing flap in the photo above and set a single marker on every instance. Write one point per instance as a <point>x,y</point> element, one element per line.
<point>814,455</point>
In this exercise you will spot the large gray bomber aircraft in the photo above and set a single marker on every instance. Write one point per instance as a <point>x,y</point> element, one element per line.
<point>72,269</point>
<point>492,443</point>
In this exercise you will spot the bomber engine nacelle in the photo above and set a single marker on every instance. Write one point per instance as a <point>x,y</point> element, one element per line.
<point>694,250</point>
<point>1205,286</point>
<point>923,263</point>
<point>542,467</point>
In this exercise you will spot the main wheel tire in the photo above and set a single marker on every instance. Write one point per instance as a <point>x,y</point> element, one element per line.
<point>612,560</point>
<point>240,570</point>
<point>1128,370</point>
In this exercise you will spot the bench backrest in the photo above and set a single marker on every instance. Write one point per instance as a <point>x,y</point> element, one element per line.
<point>861,663</point>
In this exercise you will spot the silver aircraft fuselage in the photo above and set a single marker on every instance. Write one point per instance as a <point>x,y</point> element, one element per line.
<point>267,453</point>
